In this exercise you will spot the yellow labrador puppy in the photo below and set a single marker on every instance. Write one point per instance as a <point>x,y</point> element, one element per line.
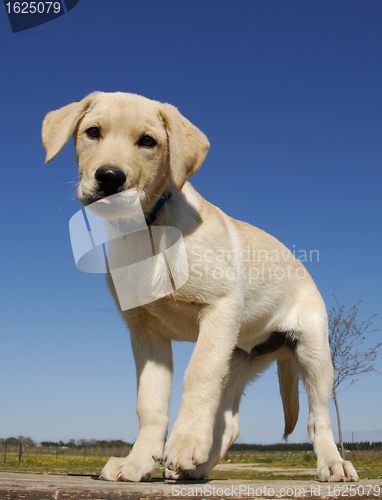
<point>246,303</point>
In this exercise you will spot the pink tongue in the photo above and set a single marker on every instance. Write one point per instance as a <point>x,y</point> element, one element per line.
<point>104,200</point>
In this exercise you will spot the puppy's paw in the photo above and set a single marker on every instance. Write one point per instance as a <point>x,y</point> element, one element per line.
<point>185,451</point>
<point>336,471</point>
<point>128,469</point>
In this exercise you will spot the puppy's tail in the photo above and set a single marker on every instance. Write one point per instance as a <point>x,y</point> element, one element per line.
<point>288,380</point>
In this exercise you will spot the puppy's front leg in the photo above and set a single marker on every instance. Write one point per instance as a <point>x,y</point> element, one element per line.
<point>191,438</point>
<point>153,358</point>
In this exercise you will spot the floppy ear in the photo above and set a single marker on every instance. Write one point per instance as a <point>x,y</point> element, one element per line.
<point>60,124</point>
<point>188,146</point>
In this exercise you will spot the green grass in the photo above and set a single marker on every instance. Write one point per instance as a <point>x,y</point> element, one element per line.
<point>264,465</point>
<point>65,464</point>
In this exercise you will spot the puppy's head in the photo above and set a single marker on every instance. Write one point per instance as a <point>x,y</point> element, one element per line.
<point>125,141</point>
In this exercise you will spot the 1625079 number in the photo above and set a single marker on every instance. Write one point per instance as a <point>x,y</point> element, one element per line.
<point>33,7</point>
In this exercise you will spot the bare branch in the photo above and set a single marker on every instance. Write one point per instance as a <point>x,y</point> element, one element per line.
<point>346,335</point>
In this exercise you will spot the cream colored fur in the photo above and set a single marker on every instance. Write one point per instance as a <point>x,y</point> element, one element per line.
<point>243,286</point>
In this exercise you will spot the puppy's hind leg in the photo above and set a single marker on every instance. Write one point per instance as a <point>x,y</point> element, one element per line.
<point>313,355</point>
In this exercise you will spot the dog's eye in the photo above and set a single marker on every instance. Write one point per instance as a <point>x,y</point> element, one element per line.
<point>93,132</point>
<point>147,141</point>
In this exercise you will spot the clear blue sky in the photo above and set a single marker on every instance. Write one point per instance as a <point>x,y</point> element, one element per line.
<point>289,95</point>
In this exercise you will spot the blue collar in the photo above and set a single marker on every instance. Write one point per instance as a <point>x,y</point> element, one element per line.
<point>150,218</point>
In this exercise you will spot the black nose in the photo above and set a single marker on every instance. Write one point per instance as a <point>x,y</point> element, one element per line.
<point>110,179</point>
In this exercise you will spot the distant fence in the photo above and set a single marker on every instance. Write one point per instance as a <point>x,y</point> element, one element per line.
<point>12,450</point>
<point>17,452</point>
<point>360,436</point>
<point>348,436</point>
<point>243,447</point>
